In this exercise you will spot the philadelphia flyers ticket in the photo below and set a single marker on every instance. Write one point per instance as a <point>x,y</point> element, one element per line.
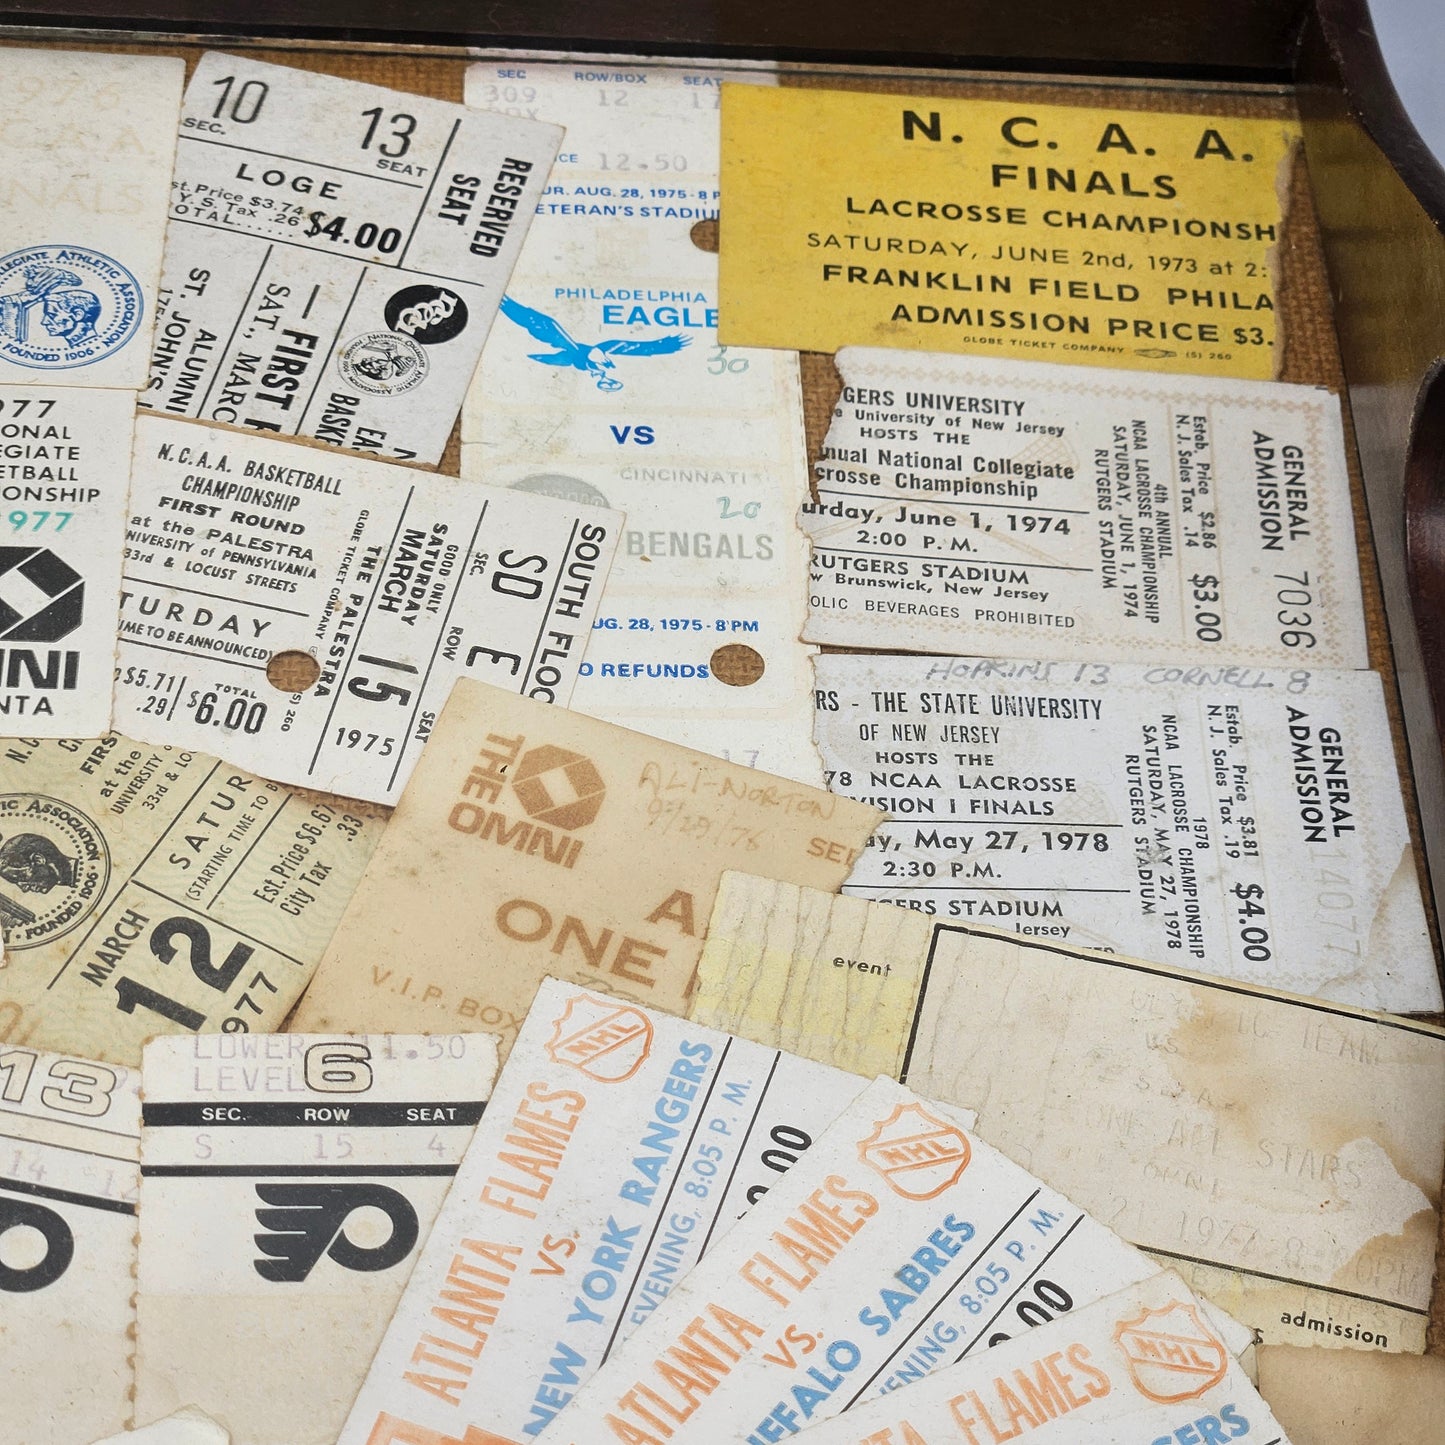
<point>69,1131</point>
<point>336,254</point>
<point>289,1180</point>
<point>620,1145</point>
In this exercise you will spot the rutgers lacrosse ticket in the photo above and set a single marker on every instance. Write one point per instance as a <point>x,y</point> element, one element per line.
<point>336,255</point>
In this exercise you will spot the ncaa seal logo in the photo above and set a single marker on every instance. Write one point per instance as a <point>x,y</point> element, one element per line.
<point>1171,1353</point>
<point>918,1154</point>
<point>65,306</point>
<point>560,788</point>
<point>54,866</point>
<point>607,1041</point>
<point>382,363</point>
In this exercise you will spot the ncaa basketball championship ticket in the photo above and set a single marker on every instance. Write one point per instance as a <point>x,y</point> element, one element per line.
<point>336,255</point>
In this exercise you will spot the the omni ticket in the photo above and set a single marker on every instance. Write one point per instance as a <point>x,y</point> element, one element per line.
<point>394,581</point>
<point>336,254</point>
<point>64,463</point>
<point>983,506</point>
<point>148,890</point>
<point>603,380</point>
<point>288,1183</point>
<point>558,844</point>
<point>69,1131</point>
<point>619,1145</point>
<point>84,175</point>
<point>1242,820</point>
<point>899,1244</point>
<point>1279,1151</point>
<point>1143,1364</point>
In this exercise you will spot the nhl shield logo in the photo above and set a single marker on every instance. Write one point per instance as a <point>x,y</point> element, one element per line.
<point>917,1153</point>
<point>1171,1353</point>
<point>606,1041</point>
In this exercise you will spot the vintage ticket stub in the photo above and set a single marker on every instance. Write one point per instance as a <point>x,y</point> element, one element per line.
<point>605,382</point>
<point>1240,820</point>
<point>1281,1152</point>
<point>558,844</point>
<point>1144,1363</point>
<point>288,1182</point>
<point>151,890</point>
<point>1010,507</point>
<point>393,581</point>
<point>186,1427</point>
<point>1133,238</point>
<point>1325,1396</point>
<point>89,143</point>
<point>336,254</point>
<point>64,461</point>
<point>621,1143</point>
<point>900,1243</point>
<point>69,1132</point>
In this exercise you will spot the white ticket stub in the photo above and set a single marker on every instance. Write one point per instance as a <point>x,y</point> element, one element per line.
<point>68,1178</point>
<point>900,1243</point>
<point>288,1183</point>
<point>394,581</point>
<point>336,254</point>
<point>1241,820</point>
<point>604,382</point>
<point>64,463</point>
<point>1146,1363</point>
<point>980,506</point>
<point>89,143</point>
<point>619,1145</point>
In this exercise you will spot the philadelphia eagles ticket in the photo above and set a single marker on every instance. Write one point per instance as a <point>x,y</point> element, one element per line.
<point>380,584</point>
<point>1243,820</point>
<point>336,254</point>
<point>1021,508</point>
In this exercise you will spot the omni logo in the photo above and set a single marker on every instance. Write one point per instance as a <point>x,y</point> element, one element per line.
<point>42,598</point>
<point>559,788</point>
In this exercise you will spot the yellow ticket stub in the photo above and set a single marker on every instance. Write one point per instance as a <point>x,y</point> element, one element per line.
<point>1079,234</point>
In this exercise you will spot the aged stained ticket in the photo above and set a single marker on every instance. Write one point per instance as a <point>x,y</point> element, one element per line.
<point>999,507</point>
<point>1241,820</point>
<point>64,461</point>
<point>69,1129</point>
<point>288,1183</point>
<point>148,890</point>
<point>1144,1363</point>
<point>1359,1398</point>
<point>552,843</point>
<point>336,254</point>
<point>1282,1152</point>
<point>898,1244</point>
<point>620,1145</point>
<point>1133,238</point>
<point>89,142</point>
<point>385,582</point>
<point>604,382</point>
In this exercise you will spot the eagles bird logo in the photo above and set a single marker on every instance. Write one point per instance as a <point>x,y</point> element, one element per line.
<point>594,358</point>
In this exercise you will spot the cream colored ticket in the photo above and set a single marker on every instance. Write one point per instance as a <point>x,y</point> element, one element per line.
<point>1242,820</point>
<point>1144,1363</point>
<point>897,1245</point>
<point>69,1132</point>
<point>1326,1397</point>
<point>336,254</point>
<point>89,142</point>
<point>288,1183</point>
<point>1280,1152</point>
<point>552,843</point>
<point>385,583</point>
<point>152,890</point>
<point>604,381</point>
<point>64,464</point>
<point>998,507</point>
<point>621,1143</point>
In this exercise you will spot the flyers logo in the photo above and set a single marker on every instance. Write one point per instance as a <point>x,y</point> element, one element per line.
<point>918,1154</point>
<point>59,1245</point>
<point>607,1041</point>
<point>388,1430</point>
<point>309,1220</point>
<point>1171,1353</point>
<point>560,788</point>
